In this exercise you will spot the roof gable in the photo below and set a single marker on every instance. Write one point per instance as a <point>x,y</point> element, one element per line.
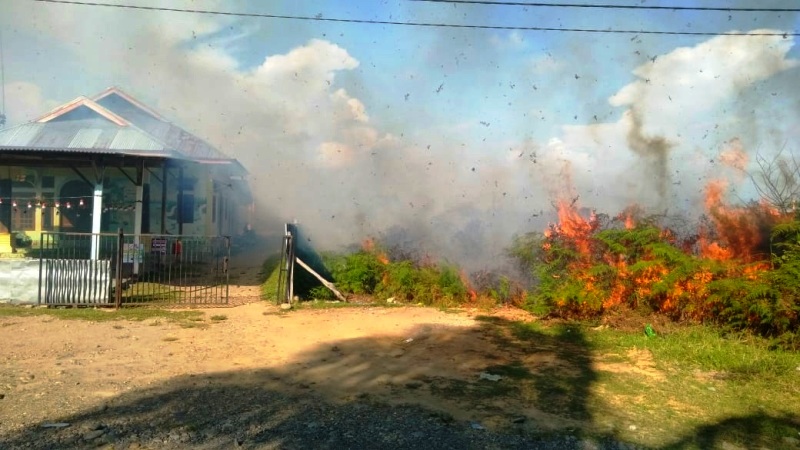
<point>80,109</point>
<point>115,95</point>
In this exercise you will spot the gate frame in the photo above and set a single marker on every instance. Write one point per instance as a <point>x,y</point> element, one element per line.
<point>117,260</point>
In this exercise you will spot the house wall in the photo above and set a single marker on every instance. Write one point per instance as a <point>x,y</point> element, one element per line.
<point>210,206</point>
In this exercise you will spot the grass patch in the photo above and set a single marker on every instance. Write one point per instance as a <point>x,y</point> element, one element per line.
<point>304,283</point>
<point>693,387</point>
<point>323,304</point>
<point>105,315</point>
<point>218,317</point>
<point>704,348</point>
<point>169,339</point>
<point>271,270</point>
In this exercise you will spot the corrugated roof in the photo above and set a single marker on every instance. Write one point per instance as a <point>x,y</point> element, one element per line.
<point>144,117</point>
<point>85,138</point>
<point>131,138</point>
<point>19,136</point>
<point>94,134</point>
<point>111,122</point>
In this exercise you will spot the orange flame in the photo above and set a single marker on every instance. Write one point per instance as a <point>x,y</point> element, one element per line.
<point>465,280</point>
<point>738,234</point>
<point>574,227</point>
<point>368,245</point>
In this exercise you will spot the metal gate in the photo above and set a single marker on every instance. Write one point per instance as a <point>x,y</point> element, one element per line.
<point>117,270</point>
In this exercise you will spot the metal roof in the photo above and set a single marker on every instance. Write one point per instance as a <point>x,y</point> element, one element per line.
<point>185,143</point>
<point>98,135</point>
<point>111,122</point>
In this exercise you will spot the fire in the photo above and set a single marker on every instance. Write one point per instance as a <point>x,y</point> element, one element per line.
<point>572,226</point>
<point>628,216</point>
<point>629,223</point>
<point>738,231</point>
<point>368,245</point>
<point>592,273</point>
<point>473,295</point>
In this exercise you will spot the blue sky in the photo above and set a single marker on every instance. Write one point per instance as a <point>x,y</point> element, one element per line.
<point>356,129</point>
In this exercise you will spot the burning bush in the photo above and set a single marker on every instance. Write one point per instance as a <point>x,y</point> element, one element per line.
<point>587,265</point>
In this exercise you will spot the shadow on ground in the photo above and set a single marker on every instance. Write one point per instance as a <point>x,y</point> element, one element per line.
<point>366,393</point>
<point>745,432</point>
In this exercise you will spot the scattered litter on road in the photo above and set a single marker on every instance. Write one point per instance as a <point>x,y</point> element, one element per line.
<point>490,377</point>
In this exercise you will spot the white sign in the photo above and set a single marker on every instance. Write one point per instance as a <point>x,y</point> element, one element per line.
<point>132,253</point>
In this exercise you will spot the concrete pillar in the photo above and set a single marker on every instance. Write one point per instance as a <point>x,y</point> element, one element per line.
<point>97,216</point>
<point>137,223</point>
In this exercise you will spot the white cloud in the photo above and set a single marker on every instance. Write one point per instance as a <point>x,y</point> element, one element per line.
<point>674,91</point>
<point>657,153</point>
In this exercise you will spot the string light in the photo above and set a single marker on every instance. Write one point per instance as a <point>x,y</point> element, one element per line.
<point>66,202</point>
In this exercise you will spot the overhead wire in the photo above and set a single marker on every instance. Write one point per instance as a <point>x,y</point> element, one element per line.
<point>321,18</point>
<point>611,6</point>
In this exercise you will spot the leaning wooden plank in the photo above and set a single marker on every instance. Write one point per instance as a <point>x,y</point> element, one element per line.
<point>324,282</point>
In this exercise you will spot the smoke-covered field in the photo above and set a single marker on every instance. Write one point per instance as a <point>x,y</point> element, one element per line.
<point>443,140</point>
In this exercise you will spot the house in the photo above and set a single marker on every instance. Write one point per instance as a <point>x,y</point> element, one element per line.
<point>101,163</point>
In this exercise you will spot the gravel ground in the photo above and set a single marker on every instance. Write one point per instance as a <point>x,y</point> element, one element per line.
<point>213,415</point>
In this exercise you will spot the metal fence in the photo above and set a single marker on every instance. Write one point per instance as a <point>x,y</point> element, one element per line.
<point>118,269</point>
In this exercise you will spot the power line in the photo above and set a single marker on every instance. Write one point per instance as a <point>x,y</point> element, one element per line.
<point>609,6</point>
<point>320,18</point>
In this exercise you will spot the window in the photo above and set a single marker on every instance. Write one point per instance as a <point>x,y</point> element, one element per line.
<point>23,215</point>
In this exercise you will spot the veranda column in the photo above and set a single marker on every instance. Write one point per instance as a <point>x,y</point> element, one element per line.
<point>97,216</point>
<point>137,214</point>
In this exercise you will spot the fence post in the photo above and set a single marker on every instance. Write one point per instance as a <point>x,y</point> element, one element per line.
<point>118,260</point>
<point>225,267</point>
<point>41,264</point>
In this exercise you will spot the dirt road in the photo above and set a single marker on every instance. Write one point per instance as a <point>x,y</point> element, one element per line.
<point>156,384</point>
<point>252,376</point>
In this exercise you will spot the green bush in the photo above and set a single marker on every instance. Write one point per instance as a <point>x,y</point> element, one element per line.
<point>358,273</point>
<point>400,281</point>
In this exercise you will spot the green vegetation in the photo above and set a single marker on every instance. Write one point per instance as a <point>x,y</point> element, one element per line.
<point>593,267</point>
<point>184,318</point>
<point>688,387</point>
<point>305,285</point>
<point>371,273</point>
<point>271,269</point>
